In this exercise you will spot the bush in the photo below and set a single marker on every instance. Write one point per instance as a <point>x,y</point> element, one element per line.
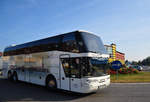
<point>124,70</point>
<point>135,71</point>
<point>111,71</point>
<point>128,71</point>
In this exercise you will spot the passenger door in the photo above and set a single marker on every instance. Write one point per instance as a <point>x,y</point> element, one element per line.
<point>64,72</point>
<point>75,77</point>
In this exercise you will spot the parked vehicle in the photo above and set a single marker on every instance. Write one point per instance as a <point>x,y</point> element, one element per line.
<point>139,68</point>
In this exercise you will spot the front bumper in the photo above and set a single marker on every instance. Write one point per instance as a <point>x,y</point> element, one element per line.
<point>95,84</point>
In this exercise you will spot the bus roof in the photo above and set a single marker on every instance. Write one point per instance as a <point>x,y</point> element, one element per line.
<point>51,39</point>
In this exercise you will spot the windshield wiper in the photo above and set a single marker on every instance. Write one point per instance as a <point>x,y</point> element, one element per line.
<point>93,51</point>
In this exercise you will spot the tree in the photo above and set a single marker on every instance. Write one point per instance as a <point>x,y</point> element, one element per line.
<point>134,63</point>
<point>146,61</point>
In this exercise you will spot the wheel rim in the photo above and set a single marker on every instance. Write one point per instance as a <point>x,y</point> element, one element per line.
<point>51,83</point>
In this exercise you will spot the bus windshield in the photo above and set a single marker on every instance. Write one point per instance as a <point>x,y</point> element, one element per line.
<point>93,43</point>
<point>94,67</point>
<point>84,67</point>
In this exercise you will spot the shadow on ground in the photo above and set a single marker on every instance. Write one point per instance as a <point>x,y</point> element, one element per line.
<point>21,91</point>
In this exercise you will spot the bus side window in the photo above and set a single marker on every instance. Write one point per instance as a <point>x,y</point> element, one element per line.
<point>69,43</point>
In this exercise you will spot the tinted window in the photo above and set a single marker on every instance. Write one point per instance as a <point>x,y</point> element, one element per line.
<point>75,68</point>
<point>48,44</point>
<point>93,43</point>
<point>80,43</point>
<point>93,67</point>
<point>71,67</point>
<point>69,43</point>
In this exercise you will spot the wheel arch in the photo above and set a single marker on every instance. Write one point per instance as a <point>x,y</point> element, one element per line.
<point>50,76</point>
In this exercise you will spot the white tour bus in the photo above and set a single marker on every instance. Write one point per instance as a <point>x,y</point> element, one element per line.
<point>75,61</point>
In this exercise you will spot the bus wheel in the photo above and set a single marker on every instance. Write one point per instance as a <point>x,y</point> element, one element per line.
<point>15,77</point>
<point>9,76</point>
<point>51,83</point>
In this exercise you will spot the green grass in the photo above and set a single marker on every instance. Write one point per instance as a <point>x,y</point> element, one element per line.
<point>131,78</point>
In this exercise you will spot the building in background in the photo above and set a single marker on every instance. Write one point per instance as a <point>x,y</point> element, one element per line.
<point>114,54</point>
<point>120,56</point>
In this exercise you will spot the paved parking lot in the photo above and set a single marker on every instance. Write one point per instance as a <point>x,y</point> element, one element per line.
<point>115,93</point>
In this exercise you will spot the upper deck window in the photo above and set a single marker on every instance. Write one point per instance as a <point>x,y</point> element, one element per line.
<point>93,43</point>
<point>76,42</point>
<point>69,43</point>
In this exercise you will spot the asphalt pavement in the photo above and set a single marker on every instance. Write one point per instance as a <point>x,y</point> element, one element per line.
<point>117,92</point>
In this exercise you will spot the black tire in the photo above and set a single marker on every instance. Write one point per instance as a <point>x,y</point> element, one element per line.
<point>51,83</point>
<point>15,77</point>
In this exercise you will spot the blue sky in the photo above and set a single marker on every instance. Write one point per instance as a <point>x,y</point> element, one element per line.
<point>123,22</point>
